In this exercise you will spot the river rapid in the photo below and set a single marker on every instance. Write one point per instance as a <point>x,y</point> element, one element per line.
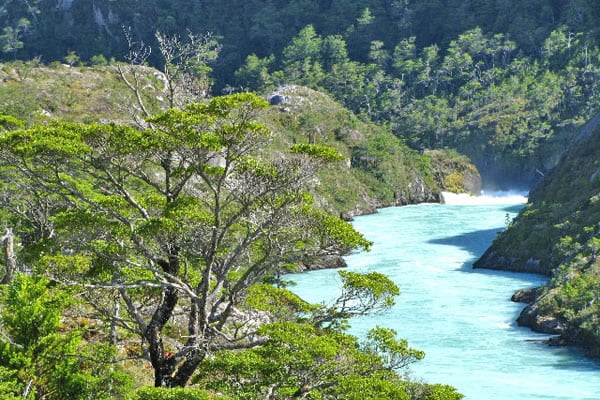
<point>462,318</point>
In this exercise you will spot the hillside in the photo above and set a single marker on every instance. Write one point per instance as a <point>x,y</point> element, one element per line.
<point>379,171</point>
<point>52,29</point>
<point>558,234</point>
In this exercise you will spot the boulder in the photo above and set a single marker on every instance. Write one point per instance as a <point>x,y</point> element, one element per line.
<point>524,296</point>
<point>277,100</point>
<point>328,262</point>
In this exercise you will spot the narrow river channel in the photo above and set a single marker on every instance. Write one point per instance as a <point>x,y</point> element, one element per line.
<point>462,318</point>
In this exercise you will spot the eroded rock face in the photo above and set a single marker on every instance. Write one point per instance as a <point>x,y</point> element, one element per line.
<point>492,260</point>
<point>531,318</point>
<point>472,182</point>
<point>418,192</point>
<point>329,262</point>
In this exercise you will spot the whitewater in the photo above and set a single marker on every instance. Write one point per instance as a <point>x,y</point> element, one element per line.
<point>462,318</point>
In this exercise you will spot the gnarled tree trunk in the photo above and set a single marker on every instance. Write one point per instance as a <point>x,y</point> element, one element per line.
<point>10,260</point>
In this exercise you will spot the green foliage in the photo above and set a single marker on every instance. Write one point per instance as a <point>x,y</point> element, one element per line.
<point>7,123</point>
<point>361,294</point>
<point>255,73</point>
<point>340,232</point>
<point>357,387</point>
<point>38,359</point>
<point>72,59</point>
<point>475,95</point>
<point>395,353</point>
<point>191,210</point>
<point>277,301</point>
<point>154,393</point>
<point>98,60</point>
<point>301,360</point>
<point>558,235</point>
<point>10,40</point>
<point>373,286</point>
<point>442,392</point>
<point>324,153</point>
<point>463,84</point>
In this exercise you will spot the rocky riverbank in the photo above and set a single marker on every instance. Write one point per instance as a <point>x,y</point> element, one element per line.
<point>558,235</point>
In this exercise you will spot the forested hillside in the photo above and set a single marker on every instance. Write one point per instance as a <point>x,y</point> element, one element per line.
<point>558,234</point>
<point>379,169</point>
<point>506,83</point>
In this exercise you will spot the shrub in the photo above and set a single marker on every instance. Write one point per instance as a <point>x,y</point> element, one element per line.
<point>158,393</point>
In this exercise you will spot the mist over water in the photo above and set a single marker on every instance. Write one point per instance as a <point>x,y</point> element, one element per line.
<point>462,318</point>
<point>501,198</point>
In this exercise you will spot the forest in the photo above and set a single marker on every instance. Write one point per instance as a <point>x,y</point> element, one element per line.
<point>147,234</point>
<point>505,83</point>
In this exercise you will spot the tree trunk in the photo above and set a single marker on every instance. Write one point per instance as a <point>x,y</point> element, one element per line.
<point>163,362</point>
<point>185,371</point>
<point>10,260</point>
<point>113,336</point>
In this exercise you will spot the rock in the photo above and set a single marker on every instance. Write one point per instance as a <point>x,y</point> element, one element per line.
<point>532,318</point>
<point>277,100</point>
<point>328,263</point>
<point>524,296</point>
<point>472,181</point>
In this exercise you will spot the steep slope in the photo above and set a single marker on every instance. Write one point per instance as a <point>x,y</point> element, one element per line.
<point>558,234</point>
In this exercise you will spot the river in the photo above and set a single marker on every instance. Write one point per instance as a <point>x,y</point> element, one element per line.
<point>462,318</point>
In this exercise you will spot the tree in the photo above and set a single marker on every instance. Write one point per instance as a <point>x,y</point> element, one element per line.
<point>254,74</point>
<point>11,37</point>
<point>72,59</point>
<point>301,361</point>
<point>302,57</point>
<point>39,360</point>
<point>178,220</point>
<point>185,68</point>
<point>10,264</point>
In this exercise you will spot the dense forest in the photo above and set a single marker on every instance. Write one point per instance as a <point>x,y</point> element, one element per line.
<point>506,83</point>
<point>152,199</point>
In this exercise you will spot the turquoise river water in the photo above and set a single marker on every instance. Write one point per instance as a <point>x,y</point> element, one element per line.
<point>462,318</point>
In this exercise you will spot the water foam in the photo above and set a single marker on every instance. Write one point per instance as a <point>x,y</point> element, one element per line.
<point>465,199</point>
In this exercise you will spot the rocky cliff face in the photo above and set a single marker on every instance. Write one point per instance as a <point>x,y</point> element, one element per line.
<point>558,234</point>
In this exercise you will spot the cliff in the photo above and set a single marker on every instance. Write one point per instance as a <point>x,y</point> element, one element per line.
<point>558,234</point>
